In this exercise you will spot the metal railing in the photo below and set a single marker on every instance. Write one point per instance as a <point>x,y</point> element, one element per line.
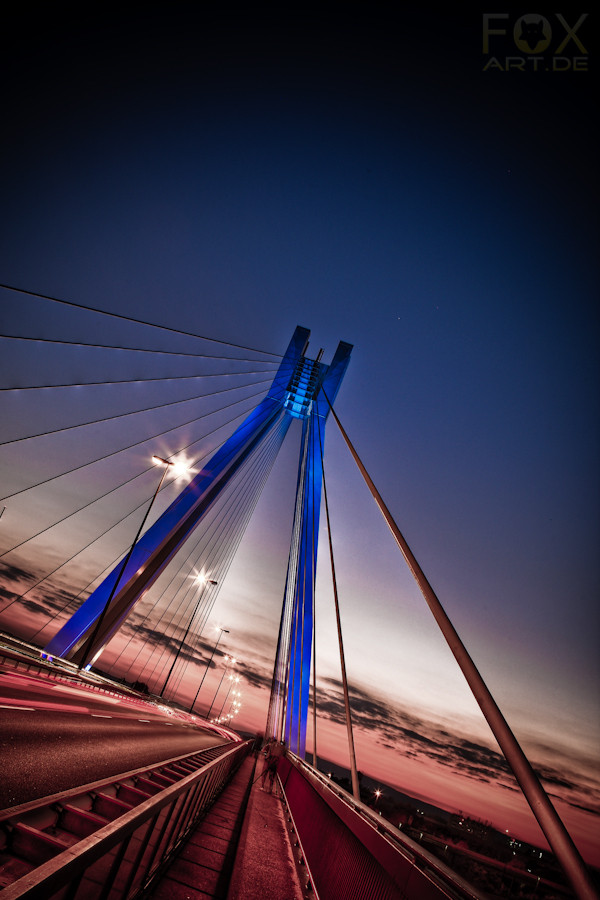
<point>351,853</point>
<point>27,658</point>
<point>121,859</point>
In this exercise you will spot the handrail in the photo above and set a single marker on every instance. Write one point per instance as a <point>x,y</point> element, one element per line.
<point>351,852</point>
<point>125,856</point>
<point>28,657</point>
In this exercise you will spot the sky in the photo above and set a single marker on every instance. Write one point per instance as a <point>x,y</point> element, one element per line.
<point>384,182</point>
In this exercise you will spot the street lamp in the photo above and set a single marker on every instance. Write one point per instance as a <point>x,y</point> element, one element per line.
<point>230,662</point>
<point>235,707</point>
<point>222,631</point>
<point>204,581</point>
<point>88,647</point>
<point>236,681</point>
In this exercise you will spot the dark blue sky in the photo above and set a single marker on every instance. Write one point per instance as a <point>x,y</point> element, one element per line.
<point>361,175</point>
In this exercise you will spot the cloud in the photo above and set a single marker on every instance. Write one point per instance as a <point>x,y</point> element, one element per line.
<point>415,737</point>
<point>394,728</point>
<point>578,790</point>
<point>8,595</point>
<point>149,636</point>
<point>254,677</point>
<point>198,649</point>
<point>14,573</point>
<point>28,594</point>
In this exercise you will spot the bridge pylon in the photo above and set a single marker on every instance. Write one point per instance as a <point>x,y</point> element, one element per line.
<point>288,706</point>
<point>294,394</point>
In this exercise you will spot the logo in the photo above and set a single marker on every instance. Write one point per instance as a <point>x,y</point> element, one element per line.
<point>532,34</point>
<point>543,43</point>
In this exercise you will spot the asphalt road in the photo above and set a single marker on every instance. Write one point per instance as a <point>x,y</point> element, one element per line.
<point>54,737</point>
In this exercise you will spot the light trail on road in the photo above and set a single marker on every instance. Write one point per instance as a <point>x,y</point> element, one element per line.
<point>59,746</point>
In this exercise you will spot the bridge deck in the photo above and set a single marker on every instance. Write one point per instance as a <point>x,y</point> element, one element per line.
<point>238,852</point>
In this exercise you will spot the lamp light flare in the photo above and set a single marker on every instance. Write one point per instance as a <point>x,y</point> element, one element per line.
<point>164,462</point>
<point>181,469</point>
<point>202,579</point>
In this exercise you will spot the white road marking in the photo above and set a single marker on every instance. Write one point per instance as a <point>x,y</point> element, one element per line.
<point>28,708</point>
<point>99,716</point>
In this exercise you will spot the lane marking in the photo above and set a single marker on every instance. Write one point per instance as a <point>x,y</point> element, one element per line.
<point>143,720</point>
<point>89,694</point>
<point>67,689</point>
<point>99,716</point>
<point>27,708</point>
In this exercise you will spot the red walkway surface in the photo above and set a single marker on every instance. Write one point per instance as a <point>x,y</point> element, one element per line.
<point>264,865</point>
<point>252,842</point>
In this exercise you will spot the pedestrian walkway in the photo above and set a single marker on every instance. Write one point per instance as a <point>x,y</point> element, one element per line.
<point>240,850</point>
<point>264,866</point>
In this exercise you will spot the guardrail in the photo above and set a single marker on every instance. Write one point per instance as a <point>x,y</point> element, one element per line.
<point>125,857</point>
<point>351,853</point>
<point>65,671</point>
<point>28,659</point>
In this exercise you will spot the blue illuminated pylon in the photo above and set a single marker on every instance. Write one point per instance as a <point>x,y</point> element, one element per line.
<point>288,708</point>
<point>296,393</point>
<point>121,590</point>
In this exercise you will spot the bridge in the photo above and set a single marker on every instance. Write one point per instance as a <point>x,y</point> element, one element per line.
<point>123,506</point>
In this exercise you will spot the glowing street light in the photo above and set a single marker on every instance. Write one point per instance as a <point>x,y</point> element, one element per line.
<point>221,631</point>
<point>233,679</point>
<point>180,468</point>
<point>164,462</point>
<point>236,703</point>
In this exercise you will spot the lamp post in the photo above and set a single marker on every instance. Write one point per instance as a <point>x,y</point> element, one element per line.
<point>88,647</point>
<point>222,631</point>
<point>230,662</point>
<point>205,581</point>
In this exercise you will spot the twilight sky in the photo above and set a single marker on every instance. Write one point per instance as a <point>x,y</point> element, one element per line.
<point>365,178</point>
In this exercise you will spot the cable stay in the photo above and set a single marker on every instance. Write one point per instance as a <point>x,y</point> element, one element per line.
<point>548,819</point>
<point>122,317</point>
<point>119,522</point>
<point>211,513</point>
<point>62,342</point>
<point>145,441</point>
<point>120,381</point>
<point>215,548</point>
<point>225,532</point>
<point>134,412</point>
<point>78,553</point>
<point>239,519</point>
<point>350,734</point>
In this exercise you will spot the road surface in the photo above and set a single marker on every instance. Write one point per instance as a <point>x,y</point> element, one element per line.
<point>55,736</point>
